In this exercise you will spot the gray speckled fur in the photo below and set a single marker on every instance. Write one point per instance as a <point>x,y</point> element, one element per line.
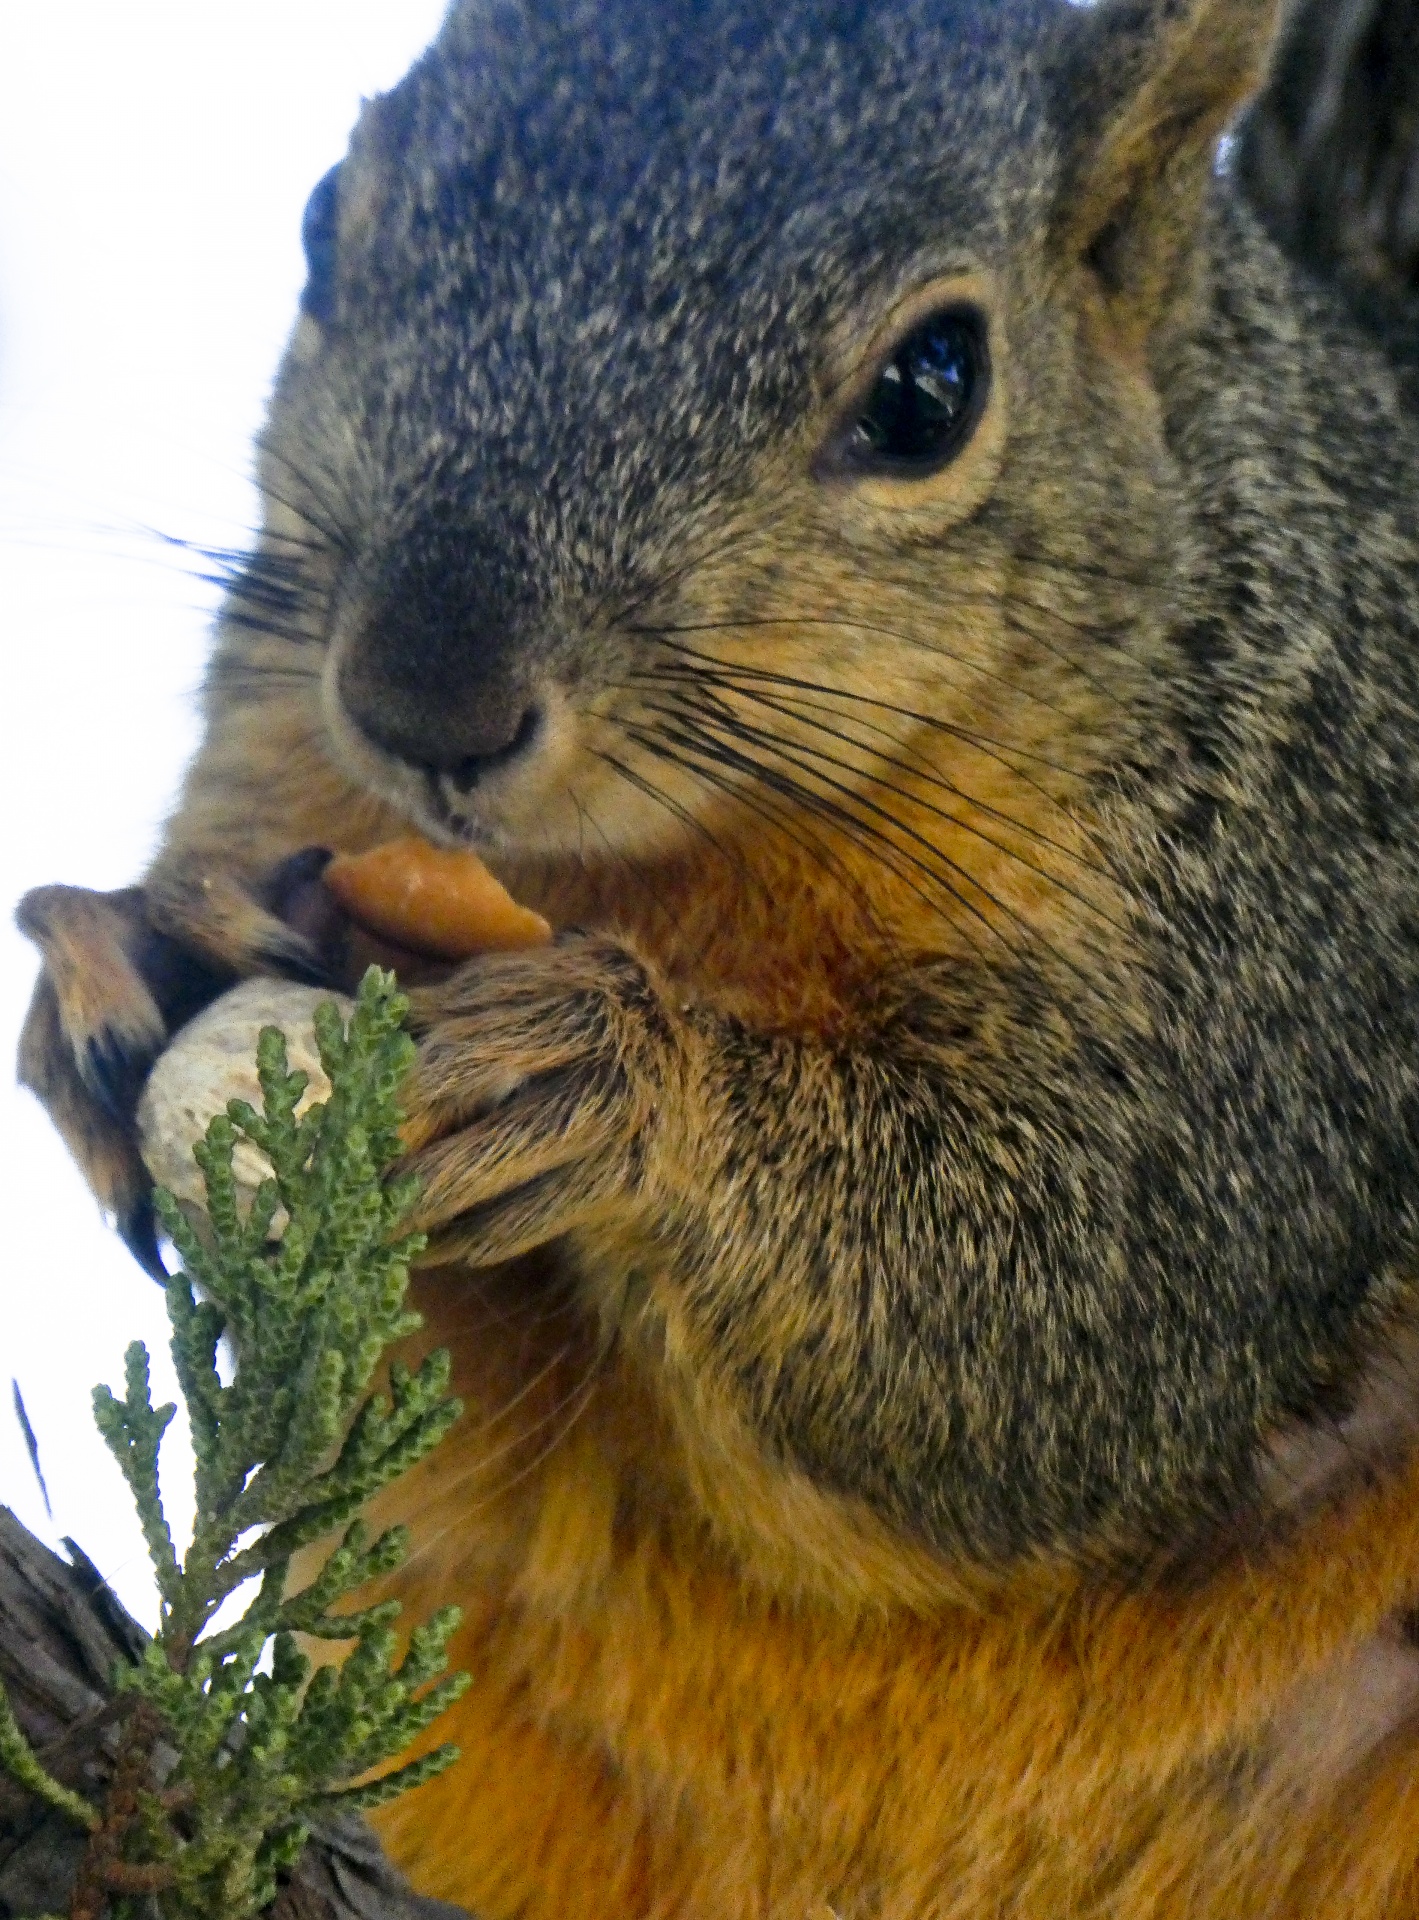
<point>605,246</point>
<point>597,248</point>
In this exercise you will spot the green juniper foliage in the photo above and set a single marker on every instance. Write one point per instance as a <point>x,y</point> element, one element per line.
<point>18,1760</point>
<point>285,1453</point>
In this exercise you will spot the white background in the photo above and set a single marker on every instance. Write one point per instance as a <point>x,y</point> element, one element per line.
<point>154,160</point>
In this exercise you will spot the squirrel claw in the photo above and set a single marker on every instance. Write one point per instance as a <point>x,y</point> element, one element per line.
<point>538,1084</point>
<point>114,1074</point>
<point>316,954</point>
<point>138,1230</point>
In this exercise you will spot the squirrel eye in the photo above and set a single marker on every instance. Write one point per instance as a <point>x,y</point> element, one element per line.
<point>927,400</point>
<point>319,229</point>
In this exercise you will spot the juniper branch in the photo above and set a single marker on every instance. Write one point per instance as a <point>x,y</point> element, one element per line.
<point>287,1450</point>
<point>19,1760</point>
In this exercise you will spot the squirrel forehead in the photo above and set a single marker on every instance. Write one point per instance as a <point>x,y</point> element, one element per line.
<point>596,256</point>
<point>606,180</point>
<point>709,109</point>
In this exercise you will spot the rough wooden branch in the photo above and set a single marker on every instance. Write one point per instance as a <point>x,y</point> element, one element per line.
<point>61,1633</point>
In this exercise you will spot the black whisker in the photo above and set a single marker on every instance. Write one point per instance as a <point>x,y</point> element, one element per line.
<point>695,738</point>
<point>674,807</point>
<point>326,519</point>
<point>628,867</point>
<point>757,737</point>
<point>987,744</point>
<point>248,681</point>
<point>619,614</point>
<point>704,737</point>
<point>774,745</point>
<point>923,768</point>
<point>268,589</point>
<point>786,821</point>
<point>1016,689</point>
<point>760,737</point>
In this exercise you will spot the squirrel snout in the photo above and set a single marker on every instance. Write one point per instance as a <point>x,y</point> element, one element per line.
<point>437,661</point>
<point>460,738</point>
<point>438,697</point>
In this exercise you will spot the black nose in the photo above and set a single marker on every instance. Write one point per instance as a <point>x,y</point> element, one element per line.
<point>440,664</point>
<point>462,732</point>
<point>466,773</point>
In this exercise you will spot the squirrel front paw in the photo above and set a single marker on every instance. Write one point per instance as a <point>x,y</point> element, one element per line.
<point>112,989</point>
<point>122,972</point>
<point>536,1103</point>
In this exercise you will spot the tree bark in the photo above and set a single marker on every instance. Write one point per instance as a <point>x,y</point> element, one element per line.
<point>61,1634</point>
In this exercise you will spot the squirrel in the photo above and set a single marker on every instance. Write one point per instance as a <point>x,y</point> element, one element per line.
<point>852,515</point>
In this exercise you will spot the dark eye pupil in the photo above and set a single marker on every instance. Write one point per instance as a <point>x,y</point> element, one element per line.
<point>928,398</point>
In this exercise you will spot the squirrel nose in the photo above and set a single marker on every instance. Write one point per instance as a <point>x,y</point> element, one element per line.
<point>461,741</point>
<point>467,772</point>
<point>438,664</point>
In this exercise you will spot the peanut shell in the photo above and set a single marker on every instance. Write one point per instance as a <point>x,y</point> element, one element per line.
<point>212,1060</point>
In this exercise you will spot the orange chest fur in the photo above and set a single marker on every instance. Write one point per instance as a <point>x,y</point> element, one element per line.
<point>647,1734</point>
<point>793,928</point>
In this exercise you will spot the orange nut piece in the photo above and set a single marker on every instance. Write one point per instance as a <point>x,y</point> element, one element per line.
<point>432,900</point>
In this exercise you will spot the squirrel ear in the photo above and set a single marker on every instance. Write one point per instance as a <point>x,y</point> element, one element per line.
<point>1142,89</point>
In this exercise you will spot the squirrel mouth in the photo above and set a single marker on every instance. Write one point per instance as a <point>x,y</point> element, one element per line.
<point>452,804</point>
<point>452,820</point>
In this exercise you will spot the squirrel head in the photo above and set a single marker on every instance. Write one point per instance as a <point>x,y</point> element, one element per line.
<point>841,422</point>
<point>648,348</point>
